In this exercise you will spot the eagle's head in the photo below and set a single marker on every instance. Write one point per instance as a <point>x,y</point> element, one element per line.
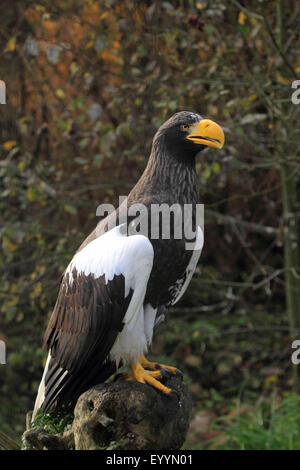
<point>187,133</point>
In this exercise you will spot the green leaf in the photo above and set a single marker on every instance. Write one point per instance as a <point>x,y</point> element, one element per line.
<point>60,93</point>
<point>70,209</point>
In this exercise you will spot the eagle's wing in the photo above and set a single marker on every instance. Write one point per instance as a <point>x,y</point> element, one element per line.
<point>102,290</point>
<point>182,284</point>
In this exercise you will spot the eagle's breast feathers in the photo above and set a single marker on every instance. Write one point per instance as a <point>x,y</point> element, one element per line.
<point>118,285</point>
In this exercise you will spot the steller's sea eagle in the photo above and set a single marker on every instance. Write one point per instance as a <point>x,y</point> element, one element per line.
<point>120,282</point>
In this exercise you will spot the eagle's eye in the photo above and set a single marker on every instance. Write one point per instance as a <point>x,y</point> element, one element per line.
<point>185,127</point>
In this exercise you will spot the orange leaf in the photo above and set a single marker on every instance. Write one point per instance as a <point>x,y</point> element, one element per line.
<point>51,28</point>
<point>242,17</point>
<point>9,144</point>
<point>32,15</point>
<point>10,245</point>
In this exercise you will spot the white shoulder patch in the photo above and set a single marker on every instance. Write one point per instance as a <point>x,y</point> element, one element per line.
<point>112,254</point>
<point>182,284</point>
<point>115,253</point>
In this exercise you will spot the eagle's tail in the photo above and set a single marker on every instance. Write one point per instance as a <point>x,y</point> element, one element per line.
<point>41,391</point>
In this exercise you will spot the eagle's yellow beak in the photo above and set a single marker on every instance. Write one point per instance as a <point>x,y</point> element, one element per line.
<point>207,132</point>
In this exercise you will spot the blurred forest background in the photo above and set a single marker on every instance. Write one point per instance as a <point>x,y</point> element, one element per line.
<point>88,82</point>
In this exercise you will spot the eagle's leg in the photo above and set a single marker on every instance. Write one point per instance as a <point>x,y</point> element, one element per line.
<point>142,375</point>
<point>157,366</point>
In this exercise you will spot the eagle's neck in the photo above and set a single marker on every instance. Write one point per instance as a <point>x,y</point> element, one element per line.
<point>167,177</point>
<point>165,180</point>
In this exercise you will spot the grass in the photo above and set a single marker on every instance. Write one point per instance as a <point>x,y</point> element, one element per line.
<point>274,426</point>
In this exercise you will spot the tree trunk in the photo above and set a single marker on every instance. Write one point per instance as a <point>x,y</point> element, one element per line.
<point>123,415</point>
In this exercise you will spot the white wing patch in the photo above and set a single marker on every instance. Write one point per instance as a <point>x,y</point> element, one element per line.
<point>112,254</point>
<point>182,284</point>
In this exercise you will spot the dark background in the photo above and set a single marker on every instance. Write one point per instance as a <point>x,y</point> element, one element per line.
<point>87,85</point>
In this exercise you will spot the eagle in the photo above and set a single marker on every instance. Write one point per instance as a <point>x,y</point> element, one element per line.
<point>122,279</point>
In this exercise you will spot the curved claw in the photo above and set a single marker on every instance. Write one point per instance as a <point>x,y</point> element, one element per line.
<point>179,373</point>
<point>142,375</point>
<point>156,366</point>
<point>148,372</point>
<point>175,393</point>
<point>165,372</point>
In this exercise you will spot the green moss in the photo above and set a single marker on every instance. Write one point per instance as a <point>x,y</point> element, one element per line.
<point>54,421</point>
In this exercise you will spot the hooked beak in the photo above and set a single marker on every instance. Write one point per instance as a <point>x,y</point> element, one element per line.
<point>207,132</point>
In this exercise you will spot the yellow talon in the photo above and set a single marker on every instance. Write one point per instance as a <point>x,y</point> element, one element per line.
<point>153,365</point>
<point>142,375</point>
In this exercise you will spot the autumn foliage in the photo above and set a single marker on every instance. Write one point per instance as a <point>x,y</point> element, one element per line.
<point>88,83</point>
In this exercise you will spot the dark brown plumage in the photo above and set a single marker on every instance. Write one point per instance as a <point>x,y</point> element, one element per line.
<point>117,287</point>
